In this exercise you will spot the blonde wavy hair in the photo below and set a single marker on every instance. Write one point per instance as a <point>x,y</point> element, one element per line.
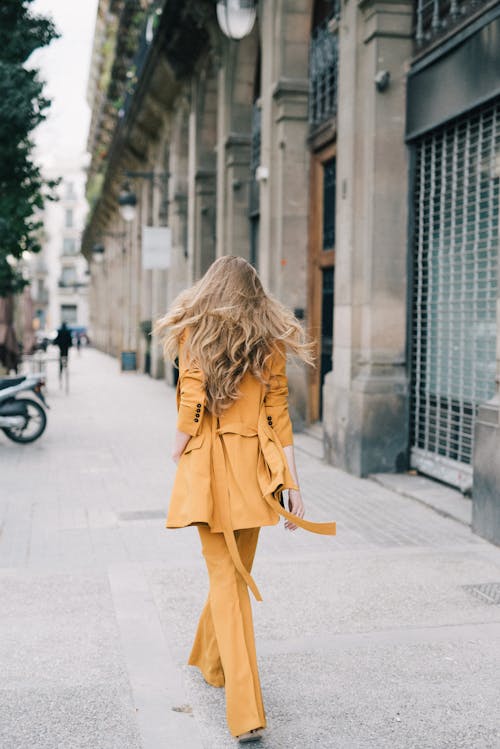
<point>230,327</point>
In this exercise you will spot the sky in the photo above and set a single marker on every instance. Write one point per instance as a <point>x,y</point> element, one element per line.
<point>64,65</point>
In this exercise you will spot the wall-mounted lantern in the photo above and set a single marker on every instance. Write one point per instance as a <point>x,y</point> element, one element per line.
<point>98,252</point>
<point>236,17</point>
<point>127,200</point>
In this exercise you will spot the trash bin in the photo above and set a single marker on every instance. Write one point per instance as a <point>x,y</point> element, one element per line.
<point>128,361</point>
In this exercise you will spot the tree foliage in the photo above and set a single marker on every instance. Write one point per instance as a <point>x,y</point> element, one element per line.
<point>23,106</point>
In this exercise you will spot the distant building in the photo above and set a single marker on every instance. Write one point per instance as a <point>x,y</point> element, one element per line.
<point>59,274</point>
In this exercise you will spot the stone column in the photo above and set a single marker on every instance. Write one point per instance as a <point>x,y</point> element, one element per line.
<point>145,277</point>
<point>192,160</point>
<point>205,223</point>
<point>284,195</point>
<point>202,173</point>
<point>365,396</point>
<point>116,285</point>
<point>289,222</point>
<point>236,80</point>
<point>178,274</point>
<point>159,300</point>
<point>135,288</point>
<point>206,165</point>
<point>237,173</point>
<point>221,190</point>
<point>178,207</point>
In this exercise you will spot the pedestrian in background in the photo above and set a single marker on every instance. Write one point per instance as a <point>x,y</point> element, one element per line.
<point>234,450</point>
<point>63,341</point>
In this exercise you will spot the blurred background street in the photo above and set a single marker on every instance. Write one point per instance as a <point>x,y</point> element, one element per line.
<point>370,639</point>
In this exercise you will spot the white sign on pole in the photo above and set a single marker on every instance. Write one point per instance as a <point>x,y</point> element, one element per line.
<point>156,246</point>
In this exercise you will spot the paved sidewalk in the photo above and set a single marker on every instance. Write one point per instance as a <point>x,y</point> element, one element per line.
<point>370,640</point>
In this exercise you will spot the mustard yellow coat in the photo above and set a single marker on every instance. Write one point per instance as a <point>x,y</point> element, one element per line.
<point>233,469</point>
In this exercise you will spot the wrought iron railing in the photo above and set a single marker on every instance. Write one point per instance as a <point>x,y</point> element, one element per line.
<point>436,17</point>
<point>148,21</point>
<point>323,69</point>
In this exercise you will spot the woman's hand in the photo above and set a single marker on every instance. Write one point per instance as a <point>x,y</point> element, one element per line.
<point>180,441</point>
<point>295,503</point>
<point>296,506</point>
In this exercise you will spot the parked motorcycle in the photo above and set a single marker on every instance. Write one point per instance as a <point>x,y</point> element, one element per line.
<point>22,418</point>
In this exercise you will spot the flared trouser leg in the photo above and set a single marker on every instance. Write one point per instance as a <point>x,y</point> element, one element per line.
<point>224,646</point>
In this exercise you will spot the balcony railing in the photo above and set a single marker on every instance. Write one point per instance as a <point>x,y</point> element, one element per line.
<point>71,285</point>
<point>434,18</point>
<point>146,34</point>
<point>323,69</point>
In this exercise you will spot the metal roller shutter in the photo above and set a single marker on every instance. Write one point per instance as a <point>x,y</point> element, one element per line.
<point>455,277</point>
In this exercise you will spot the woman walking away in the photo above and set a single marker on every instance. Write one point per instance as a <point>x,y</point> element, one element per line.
<point>234,449</point>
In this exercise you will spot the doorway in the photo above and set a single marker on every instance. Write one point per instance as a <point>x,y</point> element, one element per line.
<point>322,232</point>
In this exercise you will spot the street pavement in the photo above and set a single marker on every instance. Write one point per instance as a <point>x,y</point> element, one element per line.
<point>373,639</point>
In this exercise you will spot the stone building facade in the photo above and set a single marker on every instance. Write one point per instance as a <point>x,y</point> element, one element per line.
<point>59,273</point>
<point>307,148</point>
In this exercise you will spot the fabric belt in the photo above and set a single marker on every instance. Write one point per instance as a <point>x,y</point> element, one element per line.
<point>273,461</point>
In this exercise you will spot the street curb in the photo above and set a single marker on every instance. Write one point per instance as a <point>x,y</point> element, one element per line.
<point>163,716</point>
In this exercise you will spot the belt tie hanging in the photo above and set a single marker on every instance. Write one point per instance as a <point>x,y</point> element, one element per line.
<point>272,462</point>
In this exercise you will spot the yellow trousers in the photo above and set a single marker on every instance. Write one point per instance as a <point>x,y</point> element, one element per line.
<point>224,646</point>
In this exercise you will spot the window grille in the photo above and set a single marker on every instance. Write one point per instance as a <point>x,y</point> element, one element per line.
<point>323,69</point>
<point>456,216</point>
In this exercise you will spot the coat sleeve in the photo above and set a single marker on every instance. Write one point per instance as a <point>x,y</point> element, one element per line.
<point>276,400</point>
<point>190,396</point>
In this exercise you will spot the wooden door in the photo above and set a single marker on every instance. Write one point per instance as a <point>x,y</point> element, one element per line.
<point>321,270</point>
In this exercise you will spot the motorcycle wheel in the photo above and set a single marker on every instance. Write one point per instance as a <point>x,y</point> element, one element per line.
<point>34,425</point>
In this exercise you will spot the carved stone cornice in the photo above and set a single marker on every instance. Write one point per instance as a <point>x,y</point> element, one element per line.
<point>291,96</point>
<point>237,140</point>
<point>291,87</point>
<point>387,18</point>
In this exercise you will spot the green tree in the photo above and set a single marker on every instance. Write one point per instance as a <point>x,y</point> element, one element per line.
<point>22,107</point>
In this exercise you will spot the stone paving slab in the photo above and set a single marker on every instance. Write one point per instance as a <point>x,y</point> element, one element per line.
<point>304,598</point>
<point>62,679</point>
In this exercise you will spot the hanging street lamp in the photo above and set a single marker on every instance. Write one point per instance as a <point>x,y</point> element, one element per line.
<point>236,17</point>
